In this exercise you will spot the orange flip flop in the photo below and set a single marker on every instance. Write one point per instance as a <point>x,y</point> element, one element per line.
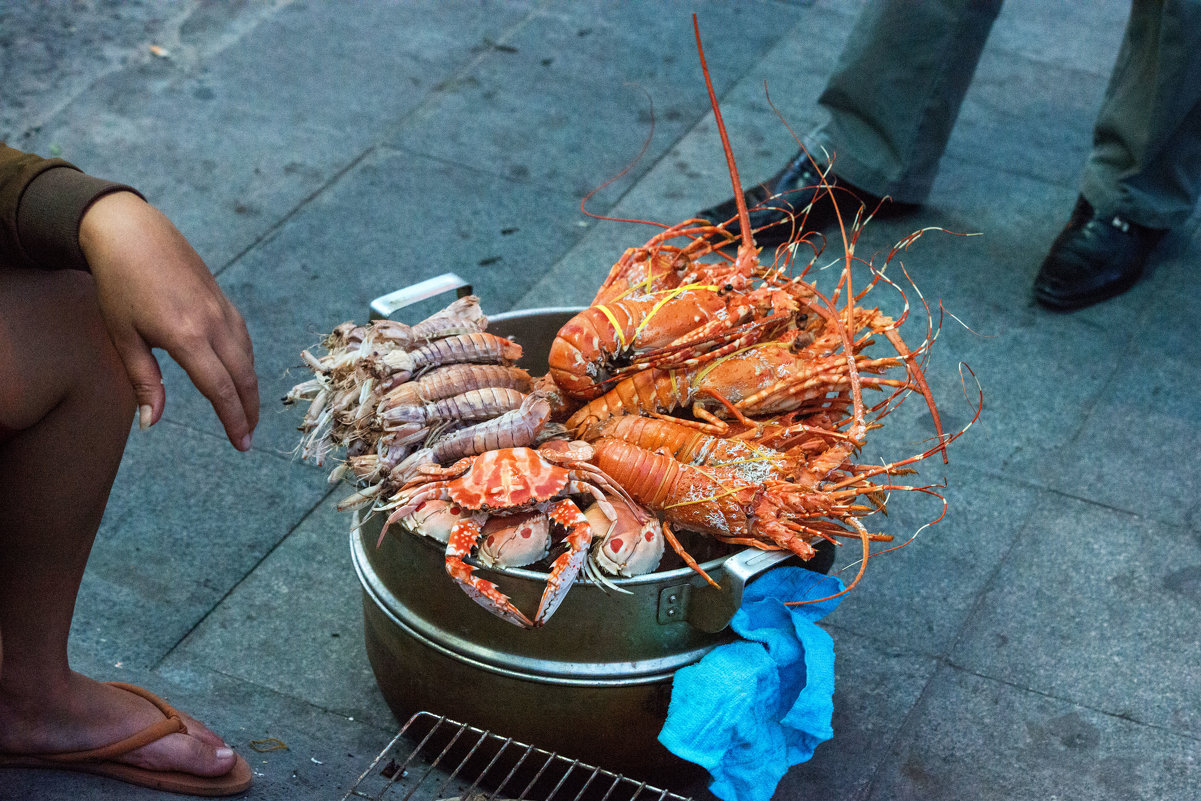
<point>102,761</point>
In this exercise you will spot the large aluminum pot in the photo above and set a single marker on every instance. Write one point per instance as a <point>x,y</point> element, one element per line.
<point>594,682</point>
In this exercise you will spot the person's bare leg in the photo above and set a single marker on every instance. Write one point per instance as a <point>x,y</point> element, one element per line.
<point>64,392</point>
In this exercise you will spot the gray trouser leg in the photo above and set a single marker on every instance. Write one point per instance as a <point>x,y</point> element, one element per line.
<point>1146,158</point>
<point>896,91</point>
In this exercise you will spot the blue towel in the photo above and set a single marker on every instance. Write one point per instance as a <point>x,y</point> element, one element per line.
<point>753,708</point>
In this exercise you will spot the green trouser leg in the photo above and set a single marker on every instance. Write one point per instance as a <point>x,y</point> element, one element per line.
<point>1146,159</point>
<point>896,90</point>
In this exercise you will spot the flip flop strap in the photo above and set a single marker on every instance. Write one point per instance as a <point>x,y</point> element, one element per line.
<point>171,723</point>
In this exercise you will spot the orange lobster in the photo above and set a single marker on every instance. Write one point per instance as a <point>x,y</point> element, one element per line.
<point>653,267</point>
<point>772,515</point>
<point>687,444</point>
<point>608,349</point>
<point>763,379</point>
<point>687,324</point>
<point>661,307</point>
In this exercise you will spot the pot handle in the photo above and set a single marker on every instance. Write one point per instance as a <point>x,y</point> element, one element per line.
<point>709,609</point>
<point>387,305</point>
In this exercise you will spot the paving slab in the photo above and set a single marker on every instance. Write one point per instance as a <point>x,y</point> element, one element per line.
<point>525,96</point>
<point>154,573</point>
<point>230,144</point>
<point>1014,120</point>
<point>1096,607</point>
<point>1061,36</point>
<point>299,619</point>
<point>976,737</point>
<point>919,596</point>
<point>1150,399</point>
<point>52,54</point>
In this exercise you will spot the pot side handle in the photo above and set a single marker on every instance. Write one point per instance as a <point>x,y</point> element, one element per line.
<point>387,305</point>
<point>709,609</point>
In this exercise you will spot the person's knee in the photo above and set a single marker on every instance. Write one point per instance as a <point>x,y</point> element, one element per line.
<point>57,346</point>
<point>85,333</point>
<point>74,294</point>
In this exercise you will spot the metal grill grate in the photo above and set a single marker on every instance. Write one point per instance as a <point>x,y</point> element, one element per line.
<point>457,761</point>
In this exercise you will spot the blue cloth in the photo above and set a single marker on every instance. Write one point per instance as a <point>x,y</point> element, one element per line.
<point>753,708</point>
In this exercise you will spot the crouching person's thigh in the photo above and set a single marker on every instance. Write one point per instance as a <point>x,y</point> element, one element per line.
<point>55,349</point>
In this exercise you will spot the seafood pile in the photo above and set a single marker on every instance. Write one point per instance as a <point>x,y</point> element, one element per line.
<point>701,391</point>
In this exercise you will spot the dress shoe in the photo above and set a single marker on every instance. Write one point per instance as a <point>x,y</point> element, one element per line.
<point>777,206</point>
<point>1093,259</point>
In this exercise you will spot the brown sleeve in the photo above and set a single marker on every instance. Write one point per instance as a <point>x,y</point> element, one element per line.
<point>41,204</point>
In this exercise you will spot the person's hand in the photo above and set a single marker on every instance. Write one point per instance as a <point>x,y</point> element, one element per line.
<point>156,292</point>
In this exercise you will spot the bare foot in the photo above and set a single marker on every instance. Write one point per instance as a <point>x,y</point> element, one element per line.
<point>85,714</point>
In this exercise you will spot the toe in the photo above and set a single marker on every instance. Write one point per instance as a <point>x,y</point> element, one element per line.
<point>202,732</point>
<point>186,753</point>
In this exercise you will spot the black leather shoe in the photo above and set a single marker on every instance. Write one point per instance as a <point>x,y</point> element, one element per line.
<point>777,206</point>
<point>1093,259</point>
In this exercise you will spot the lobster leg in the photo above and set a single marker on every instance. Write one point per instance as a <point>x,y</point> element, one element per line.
<point>565,569</point>
<point>687,557</point>
<point>463,538</point>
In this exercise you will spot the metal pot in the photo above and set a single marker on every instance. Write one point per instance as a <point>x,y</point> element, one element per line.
<point>594,682</point>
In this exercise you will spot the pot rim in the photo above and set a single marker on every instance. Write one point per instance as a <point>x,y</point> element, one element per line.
<point>656,577</point>
<point>518,313</point>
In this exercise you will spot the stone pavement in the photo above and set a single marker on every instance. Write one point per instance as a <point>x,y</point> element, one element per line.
<point>1040,642</point>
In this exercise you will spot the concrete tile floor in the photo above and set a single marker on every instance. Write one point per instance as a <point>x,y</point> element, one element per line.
<point>1038,643</point>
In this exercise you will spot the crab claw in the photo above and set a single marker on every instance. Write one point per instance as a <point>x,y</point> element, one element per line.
<point>565,569</point>
<point>463,538</point>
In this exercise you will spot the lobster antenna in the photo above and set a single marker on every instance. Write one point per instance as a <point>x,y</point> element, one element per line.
<point>744,218</point>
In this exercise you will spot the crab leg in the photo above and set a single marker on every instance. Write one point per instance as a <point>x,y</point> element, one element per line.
<point>565,569</point>
<point>463,538</point>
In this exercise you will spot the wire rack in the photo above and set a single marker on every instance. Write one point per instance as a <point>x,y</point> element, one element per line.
<point>452,761</point>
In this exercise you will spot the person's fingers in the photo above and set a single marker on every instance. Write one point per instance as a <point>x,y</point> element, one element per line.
<point>217,358</point>
<point>245,383</point>
<point>144,375</point>
<point>214,381</point>
<point>230,345</point>
<point>237,354</point>
<point>237,327</point>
